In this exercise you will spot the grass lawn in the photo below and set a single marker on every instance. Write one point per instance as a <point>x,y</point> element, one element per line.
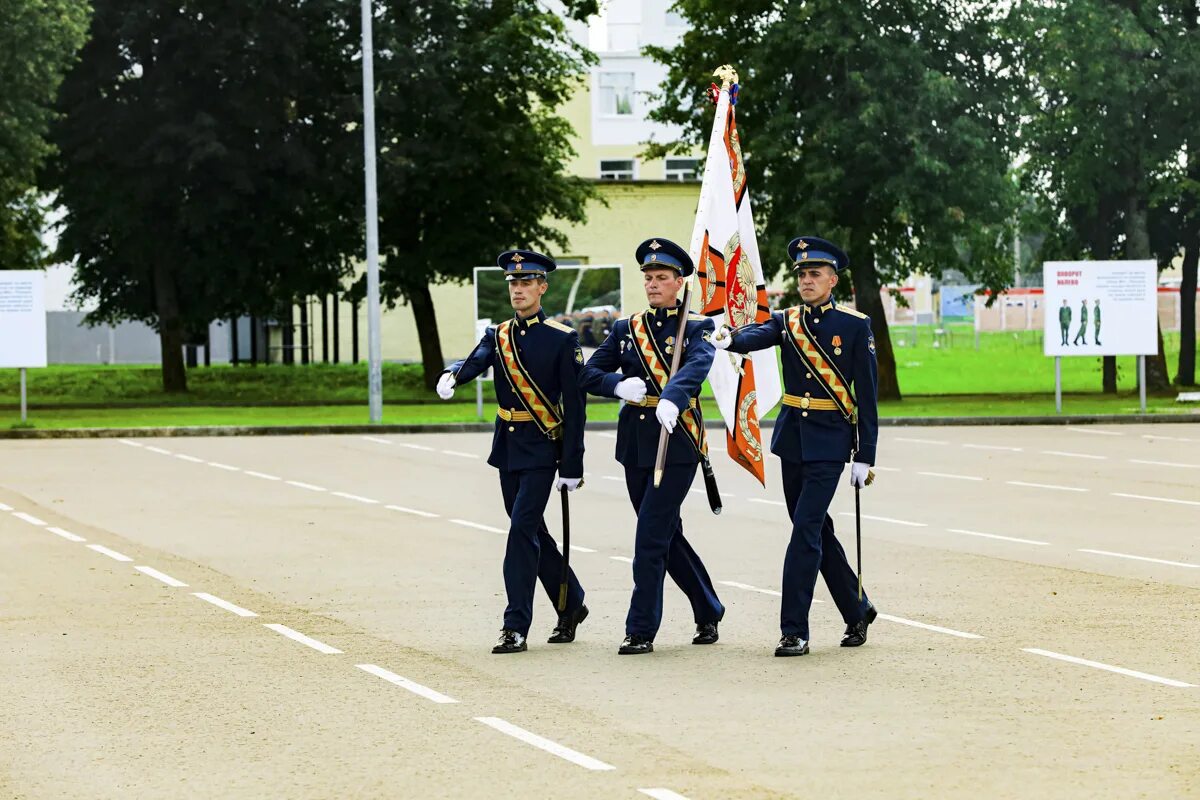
<point>1006,376</point>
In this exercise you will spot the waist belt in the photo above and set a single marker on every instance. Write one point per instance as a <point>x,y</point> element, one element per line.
<point>651,401</point>
<point>809,403</point>
<point>524,416</point>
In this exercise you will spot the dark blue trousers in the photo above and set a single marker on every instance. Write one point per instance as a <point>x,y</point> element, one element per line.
<point>659,548</point>
<point>808,488</point>
<point>532,554</point>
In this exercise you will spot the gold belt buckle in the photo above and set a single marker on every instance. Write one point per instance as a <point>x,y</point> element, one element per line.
<point>805,402</point>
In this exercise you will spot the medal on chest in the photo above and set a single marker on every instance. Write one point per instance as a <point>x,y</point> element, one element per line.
<point>837,345</point>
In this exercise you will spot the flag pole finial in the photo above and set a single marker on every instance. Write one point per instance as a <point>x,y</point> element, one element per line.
<point>727,74</point>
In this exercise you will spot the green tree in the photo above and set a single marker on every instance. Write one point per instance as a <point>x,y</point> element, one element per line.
<point>203,161</point>
<point>1107,124</point>
<point>38,42</point>
<point>472,155</point>
<point>885,125</point>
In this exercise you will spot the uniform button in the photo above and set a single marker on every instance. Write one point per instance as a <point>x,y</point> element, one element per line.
<point>641,416</point>
<point>522,333</point>
<point>804,413</point>
<point>815,321</point>
<point>808,394</point>
<point>511,429</point>
<point>659,324</point>
<point>808,374</point>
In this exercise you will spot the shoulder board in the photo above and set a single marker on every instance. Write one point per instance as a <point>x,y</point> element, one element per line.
<point>851,311</point>
<point>553,323</point>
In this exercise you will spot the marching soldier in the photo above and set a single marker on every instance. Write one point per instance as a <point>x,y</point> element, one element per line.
<point>633,364</point>
<point>829,417</point>
<point>1082,334</point>
<point>1064,321</point>
<point>539,429</point>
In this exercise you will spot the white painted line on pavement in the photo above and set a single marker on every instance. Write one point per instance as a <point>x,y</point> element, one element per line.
<point>5,508</point>
<point>30,518</point>
<point>459,454</point>
<point>375,439</point>
<point>766,502</point>
<point>951,476</point>
<point>1157,499</point>
<point>934,628</point>
<point>193,459</point>
<point>878,468</point>
<point>1047,486</point>
<point>225,604</point>
<point>219,465</point>
<point>886,519</point>
<point>478,526</point>
<point>662,794</point>
<point>579,549</point>
<point>406,510</point>
<point>70,537</point>
<point>554,748</point>
<point>1140,558</point>
<point>297,636</point>
<point>411,446</point>
<point>1168,438</point>
<point>303,485</point>
<point>607,435</point>
<point>997,536</point>
<point>405,683</point>
<point>702,491</point>
<point>993,447</point>
<point>356,498</point>
<point>626,559</point>
<point>162,576</point>
<point>159,450</point>
<point>130,444</point>
<point>750,588</point>
<point>1095,433</point>
<point>1164,464</point>
<point>1072,455</point>
<point>113,554</point>
<point>612,478</point>
<point>1109,668</point>
<point>918,441</point>
<point>262,475</point>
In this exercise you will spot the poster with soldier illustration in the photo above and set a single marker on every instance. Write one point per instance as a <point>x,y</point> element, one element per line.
<point>1100,308</point>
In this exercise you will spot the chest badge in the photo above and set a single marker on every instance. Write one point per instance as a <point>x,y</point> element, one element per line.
<point>837,345</point>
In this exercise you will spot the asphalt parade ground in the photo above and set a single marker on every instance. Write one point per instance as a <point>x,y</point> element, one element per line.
<point>311,617</point>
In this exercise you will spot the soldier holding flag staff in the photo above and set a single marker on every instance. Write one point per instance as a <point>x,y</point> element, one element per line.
<point>539,430</point>
<point>829,417</point>
<point>633,364</point>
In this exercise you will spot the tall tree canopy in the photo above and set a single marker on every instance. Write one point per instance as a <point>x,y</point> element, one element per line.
<point>473,155</point>
<point>38,42</point>
<point>204,160</point>
<point>885,125</point>
<point>1113,90</point>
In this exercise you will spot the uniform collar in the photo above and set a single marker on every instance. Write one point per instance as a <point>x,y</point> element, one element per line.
<point>821,309</point>
<point>662,314</point>
<point>523,324</point>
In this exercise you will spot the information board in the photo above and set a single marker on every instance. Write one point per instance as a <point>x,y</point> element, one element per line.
<point>22,319</point>
<point>1101,308</point>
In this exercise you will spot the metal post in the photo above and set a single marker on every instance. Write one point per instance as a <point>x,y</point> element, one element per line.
<point>1058,384</point>
<point>234,344</point>
<point>337,311</point>
<point>374,345</point>
<point>23,404</point>
<point>1141,366</point>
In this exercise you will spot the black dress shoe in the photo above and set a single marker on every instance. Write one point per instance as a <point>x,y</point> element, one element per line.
<point>792,646</point>
<point>856,634</point>
<point>706,633</point>
<point>635,645</point>
<point>510,642</point>
<point>568,621</point>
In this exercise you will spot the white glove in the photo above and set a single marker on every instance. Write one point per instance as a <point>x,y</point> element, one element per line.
<point>858,474</point>
<point>445,387</point>
<point>668,414</point>
<point>570,484</point>
<point>632,390</point>
<point>722,338</point>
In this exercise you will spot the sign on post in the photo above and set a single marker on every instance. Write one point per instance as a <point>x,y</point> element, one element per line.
<point>22,323</point>
<point>1100,308</point>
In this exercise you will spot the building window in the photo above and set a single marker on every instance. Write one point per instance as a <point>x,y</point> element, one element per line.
<point>616,94</point>
<point>617,170</point>
<point>683,169</point>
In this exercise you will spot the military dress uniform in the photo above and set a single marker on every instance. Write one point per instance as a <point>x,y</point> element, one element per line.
<point>1083,315</point>
<point>829,416</point>
<point>1096,317</point>
<point>642,346</point>
<point>1064,321</point>
<point>539,430</point>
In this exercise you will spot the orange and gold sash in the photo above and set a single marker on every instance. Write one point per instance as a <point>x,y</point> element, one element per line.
<point>547,415</point>
<point>822,368</point>
<point>654,363</point>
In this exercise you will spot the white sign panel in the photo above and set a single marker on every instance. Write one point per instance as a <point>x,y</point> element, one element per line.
<point>1101,308</point>
<point>22,319</point>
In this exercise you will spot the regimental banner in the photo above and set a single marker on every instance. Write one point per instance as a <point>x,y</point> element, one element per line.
<point>1100,308</point>
<point>732,288</point>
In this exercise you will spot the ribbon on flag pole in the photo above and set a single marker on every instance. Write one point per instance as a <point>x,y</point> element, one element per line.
<point>733,291</point>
